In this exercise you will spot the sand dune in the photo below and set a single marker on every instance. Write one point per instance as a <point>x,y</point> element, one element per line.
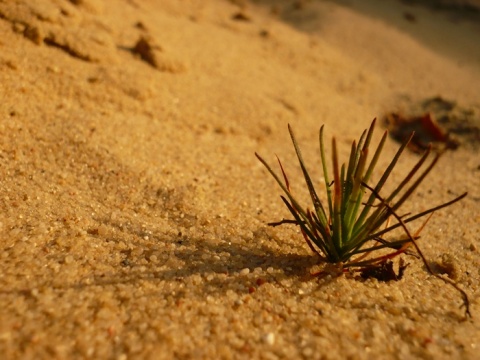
<point>134,213</point>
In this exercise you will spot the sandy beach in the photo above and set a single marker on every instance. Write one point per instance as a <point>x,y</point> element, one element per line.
<point>133,215</point>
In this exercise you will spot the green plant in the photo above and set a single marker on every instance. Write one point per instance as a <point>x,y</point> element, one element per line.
<point>351,225</point>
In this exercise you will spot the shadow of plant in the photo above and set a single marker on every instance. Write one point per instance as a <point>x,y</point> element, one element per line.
<point>212,268</point>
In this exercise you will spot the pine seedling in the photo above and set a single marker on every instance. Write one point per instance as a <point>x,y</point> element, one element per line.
<point>349,229</point>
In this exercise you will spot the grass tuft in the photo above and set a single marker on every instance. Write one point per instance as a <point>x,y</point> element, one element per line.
<point>350,227</point>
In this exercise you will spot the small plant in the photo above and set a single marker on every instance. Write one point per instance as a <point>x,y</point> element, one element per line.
<point>352,224</point>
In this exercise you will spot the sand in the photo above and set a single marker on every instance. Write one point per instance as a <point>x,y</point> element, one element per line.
<point>133,215</point>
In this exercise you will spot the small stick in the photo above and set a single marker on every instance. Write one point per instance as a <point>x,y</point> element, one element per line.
<point>283,221</point>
